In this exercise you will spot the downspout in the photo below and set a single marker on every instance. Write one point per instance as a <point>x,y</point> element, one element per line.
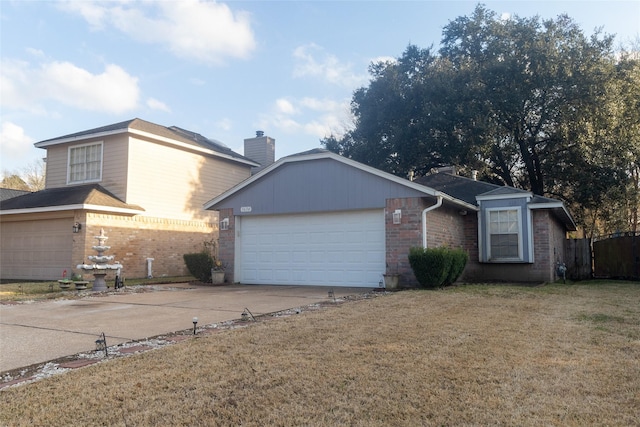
<point>424,220</point>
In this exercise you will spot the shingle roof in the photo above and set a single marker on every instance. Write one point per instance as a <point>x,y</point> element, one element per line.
<point>90,194</point>
<point>467,189</point>
<point>172,132</point>
<point>461,188</point>
<point>10,193</point>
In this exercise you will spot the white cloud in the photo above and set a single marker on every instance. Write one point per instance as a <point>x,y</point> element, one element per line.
<point>313,61</point>
<point>285,107</point>
<point>204,31</point>
<point>14,143</point>
<point>27,87</point>
<point>154,104</point>
<point>505,16</point>
<point>311,116</point>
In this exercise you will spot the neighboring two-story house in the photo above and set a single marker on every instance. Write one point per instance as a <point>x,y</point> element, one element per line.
<point>145,184</point>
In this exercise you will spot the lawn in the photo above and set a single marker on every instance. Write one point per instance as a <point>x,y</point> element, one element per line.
<point>468,355</point>
<point>33,291</point>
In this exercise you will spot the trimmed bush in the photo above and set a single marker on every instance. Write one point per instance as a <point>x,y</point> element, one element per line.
<point>435,267</point>
<point>199,265</point>
<point>459,260</point>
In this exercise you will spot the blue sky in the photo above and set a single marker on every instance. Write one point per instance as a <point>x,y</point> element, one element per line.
<point>222,69</point>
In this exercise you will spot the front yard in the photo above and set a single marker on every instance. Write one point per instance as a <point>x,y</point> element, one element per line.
<point>467,355</point>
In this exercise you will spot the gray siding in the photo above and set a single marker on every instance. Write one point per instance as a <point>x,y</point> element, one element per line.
<point>315,186</point>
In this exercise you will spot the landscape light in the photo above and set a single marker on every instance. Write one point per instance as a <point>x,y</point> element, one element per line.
<point>195,323</point>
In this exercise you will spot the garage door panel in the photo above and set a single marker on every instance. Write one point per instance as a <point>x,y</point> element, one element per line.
<point>334,249</point>
<point>37,250</point>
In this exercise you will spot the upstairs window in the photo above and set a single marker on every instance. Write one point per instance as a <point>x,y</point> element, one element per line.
<point>505,235</point>
<point>85,163</point>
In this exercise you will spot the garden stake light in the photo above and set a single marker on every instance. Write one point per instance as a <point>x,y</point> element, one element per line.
<point>195,323</point>
<point>246,313</point>
<point>101,345</point>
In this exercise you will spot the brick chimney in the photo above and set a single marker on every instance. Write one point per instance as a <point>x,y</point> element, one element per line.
<point>261,149</point>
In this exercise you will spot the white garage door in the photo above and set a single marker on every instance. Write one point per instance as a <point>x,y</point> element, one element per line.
<point>328,249</point>
<point>36,250</point>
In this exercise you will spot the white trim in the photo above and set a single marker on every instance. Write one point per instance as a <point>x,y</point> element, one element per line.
<point>526,195</point>
<point>520,257</point>
<point>99,208</point>
<point>44,144</point>
<point>329,155</point>
<point>549,205</point>
<point>86,144</point>
<point>481,238</point>
<point>531,258</point>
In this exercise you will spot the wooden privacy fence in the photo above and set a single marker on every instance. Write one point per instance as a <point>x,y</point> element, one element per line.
<point>578,259</point>
<point>617,257</point>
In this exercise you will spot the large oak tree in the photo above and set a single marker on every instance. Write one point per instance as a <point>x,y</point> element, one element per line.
<point>528,102</point>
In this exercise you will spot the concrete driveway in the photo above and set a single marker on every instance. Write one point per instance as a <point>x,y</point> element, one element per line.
<point>41,331</point>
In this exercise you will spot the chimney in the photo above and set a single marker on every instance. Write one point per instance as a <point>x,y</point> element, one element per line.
<point>261,149</point>
<point>474,175</point>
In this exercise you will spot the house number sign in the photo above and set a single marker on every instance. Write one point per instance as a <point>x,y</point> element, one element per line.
<point>245,209</point>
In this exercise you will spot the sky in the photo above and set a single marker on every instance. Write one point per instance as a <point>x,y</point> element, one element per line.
<point>221,69</point>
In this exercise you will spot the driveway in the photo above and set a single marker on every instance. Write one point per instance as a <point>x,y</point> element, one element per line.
<point>41,331</point>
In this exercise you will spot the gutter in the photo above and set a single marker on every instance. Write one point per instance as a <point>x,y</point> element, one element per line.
<point>424,220</point>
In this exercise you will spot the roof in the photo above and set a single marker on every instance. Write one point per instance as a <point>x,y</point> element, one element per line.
<point>457,186</point>
<point>90,196</point>
<point>171,134</point>
<point>10,193</point>
<point>471,191</point>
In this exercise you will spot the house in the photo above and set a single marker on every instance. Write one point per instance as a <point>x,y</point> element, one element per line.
<point>143,183</point>
<point>317,218</point>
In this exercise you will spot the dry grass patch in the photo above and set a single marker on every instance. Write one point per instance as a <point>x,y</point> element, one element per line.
<point>473,355</point>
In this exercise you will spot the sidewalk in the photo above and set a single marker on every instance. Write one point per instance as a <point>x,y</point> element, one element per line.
<point>41,331</point>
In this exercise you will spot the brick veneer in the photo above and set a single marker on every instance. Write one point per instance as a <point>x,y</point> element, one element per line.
<point>548,244</point>
<point>227,245</point>
<point>134,239</point>
<point>445,227</point>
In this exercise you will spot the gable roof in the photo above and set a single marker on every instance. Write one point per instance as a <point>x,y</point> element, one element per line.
<point>172,135</point>
<point>90,196</point>
<point>318,153</point>
<point>473,191</point>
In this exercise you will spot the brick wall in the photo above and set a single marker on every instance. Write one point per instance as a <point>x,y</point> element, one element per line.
<point>445,227</point>
<point>548,247</point>
<point>227,245</point>
<point>134,239</point>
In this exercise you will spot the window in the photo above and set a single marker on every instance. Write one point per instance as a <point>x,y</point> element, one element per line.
<point>505,234</point>
<point>85,163</point>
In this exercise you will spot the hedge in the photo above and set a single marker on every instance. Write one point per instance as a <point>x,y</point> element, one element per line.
<point>199,265</point>
<point>435,267</point>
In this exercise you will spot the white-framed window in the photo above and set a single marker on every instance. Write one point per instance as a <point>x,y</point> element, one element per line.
<point>504,234</point>
<point>85,163</point>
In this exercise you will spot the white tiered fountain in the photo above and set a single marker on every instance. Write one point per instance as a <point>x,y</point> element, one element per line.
<point>100,268</point>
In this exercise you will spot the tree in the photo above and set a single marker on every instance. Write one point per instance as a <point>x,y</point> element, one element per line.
<point>31,178</point>
<point>530,103</point>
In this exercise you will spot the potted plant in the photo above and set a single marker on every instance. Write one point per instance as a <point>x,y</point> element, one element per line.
<point>64,283</point>
<point>79,281</point>
<point>217,272</point>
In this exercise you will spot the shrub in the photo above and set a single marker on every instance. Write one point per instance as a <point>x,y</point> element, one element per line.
<point>459,260</point>
<point>437,266</point>
<point>199,265</point>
